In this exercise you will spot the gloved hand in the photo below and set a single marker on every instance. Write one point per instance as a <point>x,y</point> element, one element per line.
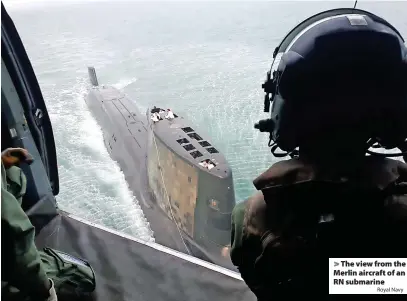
<point>14,156</point>
<point>52,293</point>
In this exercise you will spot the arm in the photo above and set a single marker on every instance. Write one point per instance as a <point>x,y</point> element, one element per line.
<point>20,256</point>
<point>261,257</point>
<point>18,235</point>
<point>245,244</point>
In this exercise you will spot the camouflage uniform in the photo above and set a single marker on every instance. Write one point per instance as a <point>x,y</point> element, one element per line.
<point>21,262</point>
<point>266,233</point>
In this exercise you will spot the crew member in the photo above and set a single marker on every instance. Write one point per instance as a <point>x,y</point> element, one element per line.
<point>155,117</point>
<point>21,263</point>
<point>169,115</point>
<point>330,199</point>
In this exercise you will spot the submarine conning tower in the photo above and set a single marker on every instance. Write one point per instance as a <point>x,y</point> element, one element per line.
<point>191,179</point>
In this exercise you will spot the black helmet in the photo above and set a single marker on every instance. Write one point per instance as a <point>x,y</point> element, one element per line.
<point>341,71</point>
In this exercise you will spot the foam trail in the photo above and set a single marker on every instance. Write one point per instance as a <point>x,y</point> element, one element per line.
<point>92,185</point>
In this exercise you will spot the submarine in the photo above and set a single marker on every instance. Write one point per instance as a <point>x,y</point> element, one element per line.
<point>184,184</point>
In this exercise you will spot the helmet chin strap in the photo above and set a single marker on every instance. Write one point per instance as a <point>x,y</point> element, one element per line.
<point>372,144</point>
<point>276,154</point>
<point>375,144</point>
<point>293,154</point>
<point>387,155</point>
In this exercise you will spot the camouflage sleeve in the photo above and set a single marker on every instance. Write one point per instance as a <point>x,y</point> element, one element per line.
<point>20,254</point>
<point>248,225</point>
<point>237,233</point>
<point>244,249</point>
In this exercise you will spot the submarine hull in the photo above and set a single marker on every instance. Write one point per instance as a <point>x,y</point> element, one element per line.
<point>126,137</point>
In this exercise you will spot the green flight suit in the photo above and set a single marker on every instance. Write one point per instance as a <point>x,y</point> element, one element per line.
<point>21,263</point>
<point>257,227</point>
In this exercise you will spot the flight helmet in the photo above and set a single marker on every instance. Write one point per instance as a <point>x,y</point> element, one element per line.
<point>340,71</point>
